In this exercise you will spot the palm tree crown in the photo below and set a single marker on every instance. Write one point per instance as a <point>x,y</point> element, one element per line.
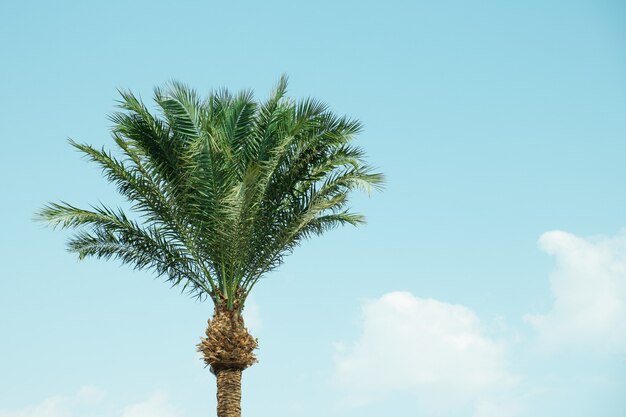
<point>221,188</point>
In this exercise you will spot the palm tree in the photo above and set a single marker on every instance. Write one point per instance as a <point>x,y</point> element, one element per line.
<point>220,189</point>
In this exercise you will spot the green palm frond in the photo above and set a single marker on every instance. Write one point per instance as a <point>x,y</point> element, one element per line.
<point>223,188</point>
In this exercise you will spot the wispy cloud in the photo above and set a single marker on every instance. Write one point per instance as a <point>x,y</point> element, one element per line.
<point>588,285</point>
<point>92,402</point>
<point>252,316</point>
<point>155,406</point>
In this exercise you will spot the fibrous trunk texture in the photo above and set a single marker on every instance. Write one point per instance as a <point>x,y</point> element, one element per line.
<point>228,350</point>
<point>228,392</point>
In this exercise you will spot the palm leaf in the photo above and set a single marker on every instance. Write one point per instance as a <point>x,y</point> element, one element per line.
<point>221,189</point>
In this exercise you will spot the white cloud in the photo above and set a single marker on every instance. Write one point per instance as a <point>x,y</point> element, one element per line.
<point>155,406</point>
<point>252,316</point>
<point>61,406</point>
<point>502,408</point>
<point>589,289</point>
<point>90,402</point>
<point>434,351</point>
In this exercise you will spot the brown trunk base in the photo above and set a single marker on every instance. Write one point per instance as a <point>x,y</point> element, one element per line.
<point>228,350</point>
<point>227,343</point>
<point>228,392</point>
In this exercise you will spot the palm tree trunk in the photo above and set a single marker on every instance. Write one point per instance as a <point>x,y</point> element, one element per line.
<point>228,350</point>
<point>228,392</point>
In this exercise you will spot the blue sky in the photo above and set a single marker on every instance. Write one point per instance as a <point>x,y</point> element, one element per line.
<point>489,281</point>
